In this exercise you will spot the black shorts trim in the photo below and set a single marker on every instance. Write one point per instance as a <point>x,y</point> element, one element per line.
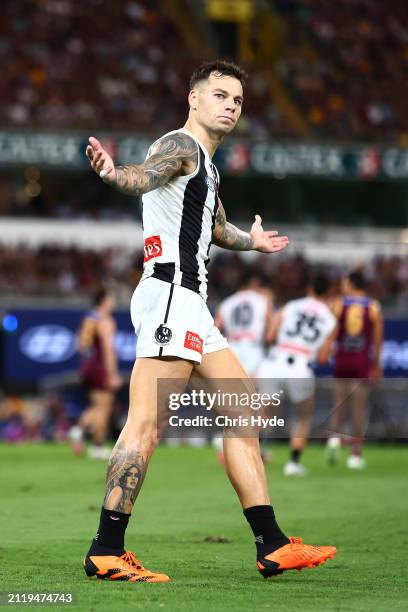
<point>166,316</point>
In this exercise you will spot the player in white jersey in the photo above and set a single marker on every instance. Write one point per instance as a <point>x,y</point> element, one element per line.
<point>244,318</point>
<point>302,331</point>
<point>182,216</point>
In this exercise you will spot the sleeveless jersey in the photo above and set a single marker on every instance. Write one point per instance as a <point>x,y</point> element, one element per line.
<point>178,220</point>
<point>244,316</point>
<point>354,338</point>
<point>305,326</point>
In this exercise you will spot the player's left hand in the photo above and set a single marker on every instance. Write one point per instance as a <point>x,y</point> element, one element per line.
<point>266,242</point>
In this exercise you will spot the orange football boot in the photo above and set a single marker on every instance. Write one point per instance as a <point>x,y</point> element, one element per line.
<point>125,568</point>
<point>294,555</point>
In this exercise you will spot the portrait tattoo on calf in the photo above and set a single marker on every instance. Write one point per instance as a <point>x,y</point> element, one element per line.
<point>126,472</point>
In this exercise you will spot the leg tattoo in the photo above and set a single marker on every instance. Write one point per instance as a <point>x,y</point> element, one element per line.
<point>126,472</point>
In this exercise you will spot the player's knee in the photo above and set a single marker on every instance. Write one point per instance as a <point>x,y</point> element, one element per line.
<point>245,442</point>
<point>144,430</point>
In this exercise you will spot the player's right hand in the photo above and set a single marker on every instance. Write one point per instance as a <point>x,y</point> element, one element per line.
<point>101,161</point>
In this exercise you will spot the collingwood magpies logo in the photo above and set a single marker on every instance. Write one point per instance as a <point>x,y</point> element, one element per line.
<point>210,183</point>
<point>163,335</point>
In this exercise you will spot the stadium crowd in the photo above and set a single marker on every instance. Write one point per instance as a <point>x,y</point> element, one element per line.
<point>66,64</point>
<point>38,418</point>
<point>69,65</point>
<point>67,272</point>
<point>347,64</point>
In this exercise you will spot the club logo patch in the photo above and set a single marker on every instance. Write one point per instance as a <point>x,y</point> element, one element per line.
<point>193,342</point>
<point>163,335</point>
<point>152,248</point>
<point>210,183</point>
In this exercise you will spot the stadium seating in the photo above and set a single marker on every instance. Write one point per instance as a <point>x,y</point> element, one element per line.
<point>125,68</point>
<point>346,63</point>
<point>342,63</point>
<point>66,272</point>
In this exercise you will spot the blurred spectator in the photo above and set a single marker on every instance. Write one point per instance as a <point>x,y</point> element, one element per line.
<point>105,65</point>
<point>55,271</point>
<point>33,418</point>
<point>123,65</point>
<point>347,64</point>
<point>67,272</point>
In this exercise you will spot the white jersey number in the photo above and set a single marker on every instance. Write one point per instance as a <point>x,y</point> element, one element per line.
<point>306,327</point>
<point>242,315</point>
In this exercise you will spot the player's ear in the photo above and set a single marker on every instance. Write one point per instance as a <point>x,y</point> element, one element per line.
<point>193,99</point>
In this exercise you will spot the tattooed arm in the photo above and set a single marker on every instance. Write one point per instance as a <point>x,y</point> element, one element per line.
<point>172,156</point>
<point>228,236</point>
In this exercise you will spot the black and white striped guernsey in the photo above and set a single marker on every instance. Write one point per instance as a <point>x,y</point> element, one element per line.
<point>178,220</point>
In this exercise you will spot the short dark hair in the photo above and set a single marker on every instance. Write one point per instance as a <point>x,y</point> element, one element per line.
<point>221,67</point>
<point>357,279</point>
<point>99,296</point>
<point>320,284</point>
<point>249,274</point>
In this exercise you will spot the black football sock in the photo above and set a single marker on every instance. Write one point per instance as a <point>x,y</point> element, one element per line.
<point>295,455</point>
<point>268,536</point>
<point>110,537</point>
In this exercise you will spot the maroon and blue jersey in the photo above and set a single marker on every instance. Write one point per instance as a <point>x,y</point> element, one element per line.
<point>356,316</point>
<point>92,368</point>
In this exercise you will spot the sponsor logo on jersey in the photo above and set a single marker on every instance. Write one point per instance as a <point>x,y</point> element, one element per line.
<point>152,248</point>
<point>210,183</point>
<point>163,335</point>
<point>193,342</point>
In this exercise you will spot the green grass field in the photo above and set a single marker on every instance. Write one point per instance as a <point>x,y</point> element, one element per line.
<point>50,508</point>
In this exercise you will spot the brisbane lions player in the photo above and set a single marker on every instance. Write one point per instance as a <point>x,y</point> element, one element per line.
<point>359,338</point>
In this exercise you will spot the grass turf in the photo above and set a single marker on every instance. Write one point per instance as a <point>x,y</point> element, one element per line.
<point>50,509</point>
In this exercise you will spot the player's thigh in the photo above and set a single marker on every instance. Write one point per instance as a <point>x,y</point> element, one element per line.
<point>300,390</point>
<point>221,364</point>
<point>360,394</point>
<point>151,380</point>
<point>342,391</point>
<point>101,400</point>
<point>221,372</point>
<point>304,408</point>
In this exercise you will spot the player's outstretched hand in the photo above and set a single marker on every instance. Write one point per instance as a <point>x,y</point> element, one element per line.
<point>101,161</point>
<point>266,242</point>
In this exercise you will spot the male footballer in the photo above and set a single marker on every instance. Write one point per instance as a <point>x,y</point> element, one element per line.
<point>182,217</point>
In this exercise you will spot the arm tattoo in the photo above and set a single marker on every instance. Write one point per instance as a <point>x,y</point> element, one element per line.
<point>126,472</point>
<point>170,153</point>
<point>227,235</point>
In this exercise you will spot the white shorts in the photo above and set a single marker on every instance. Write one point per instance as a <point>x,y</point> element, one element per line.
<point>249,354</point>
<point>289,373</point>
<point>172,321</point>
